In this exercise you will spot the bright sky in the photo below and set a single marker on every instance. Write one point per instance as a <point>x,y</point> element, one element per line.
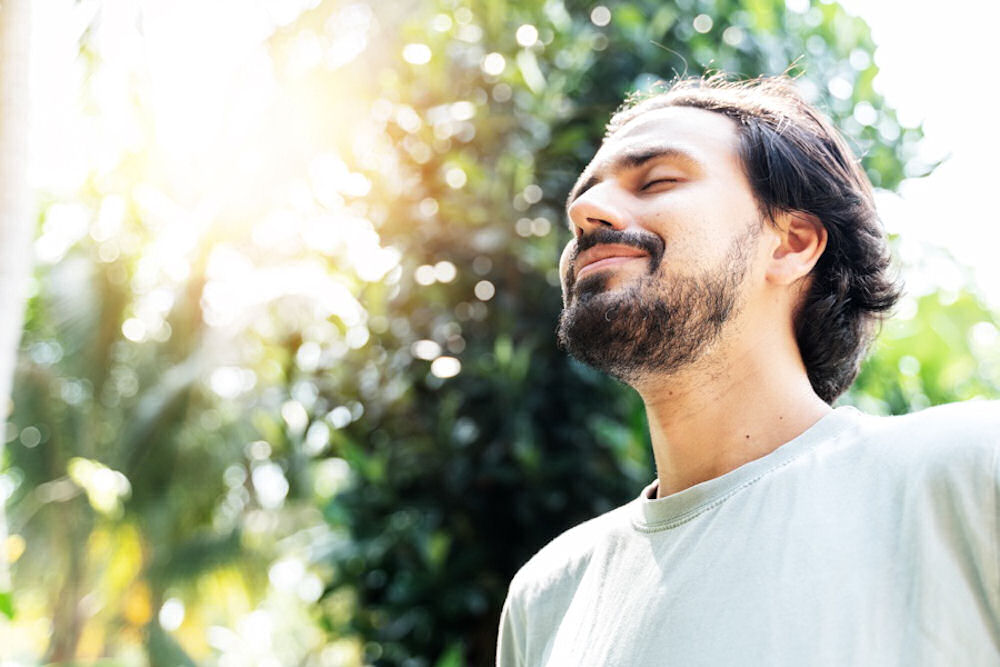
<point>936,67</point>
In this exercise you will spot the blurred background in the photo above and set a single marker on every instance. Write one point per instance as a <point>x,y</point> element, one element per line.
<point>287,391</point>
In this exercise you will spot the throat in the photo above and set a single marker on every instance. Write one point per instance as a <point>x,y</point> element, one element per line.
<point>697,436</point>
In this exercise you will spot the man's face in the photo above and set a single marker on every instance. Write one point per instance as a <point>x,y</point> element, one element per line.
<point>665,228</point>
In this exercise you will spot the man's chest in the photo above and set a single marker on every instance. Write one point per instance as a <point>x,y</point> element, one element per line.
<point>794,590</point>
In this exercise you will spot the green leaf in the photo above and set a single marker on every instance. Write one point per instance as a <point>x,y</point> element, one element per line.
<point>452,657</point>
<point>7,604</point>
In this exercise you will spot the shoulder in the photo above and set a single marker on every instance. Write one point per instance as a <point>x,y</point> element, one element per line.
<point>966,424</point>
<point>955,438</point>
<point>559,565</point>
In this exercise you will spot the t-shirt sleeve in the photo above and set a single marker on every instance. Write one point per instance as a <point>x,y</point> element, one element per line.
<point>510,643</point>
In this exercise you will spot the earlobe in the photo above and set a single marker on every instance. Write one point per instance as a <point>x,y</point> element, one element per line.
<point>801,241</point>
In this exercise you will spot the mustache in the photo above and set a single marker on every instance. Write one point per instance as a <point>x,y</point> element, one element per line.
<point>650,243</point>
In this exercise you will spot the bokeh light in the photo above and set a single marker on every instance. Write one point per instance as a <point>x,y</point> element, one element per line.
<point>600,16</point>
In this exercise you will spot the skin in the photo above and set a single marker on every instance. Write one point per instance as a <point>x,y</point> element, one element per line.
<point>747,393</point>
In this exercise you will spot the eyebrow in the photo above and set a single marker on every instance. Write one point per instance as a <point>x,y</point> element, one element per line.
<point>633,160</point>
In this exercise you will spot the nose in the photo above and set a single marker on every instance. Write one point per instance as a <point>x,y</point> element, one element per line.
<point>597,208</point>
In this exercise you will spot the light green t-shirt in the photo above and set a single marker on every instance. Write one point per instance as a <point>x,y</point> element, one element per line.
<point>864,541</point>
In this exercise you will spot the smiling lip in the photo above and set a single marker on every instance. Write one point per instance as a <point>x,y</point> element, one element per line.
<point>602,256</point>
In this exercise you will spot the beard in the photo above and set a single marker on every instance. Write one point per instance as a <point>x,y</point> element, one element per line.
<point>658,324</point>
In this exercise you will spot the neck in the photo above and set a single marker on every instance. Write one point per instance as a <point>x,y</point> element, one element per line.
<point>712,420</point>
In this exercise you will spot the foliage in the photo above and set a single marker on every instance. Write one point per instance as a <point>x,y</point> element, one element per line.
<point>941,347</point>
<point>352,377</point>
<point>114,430</point>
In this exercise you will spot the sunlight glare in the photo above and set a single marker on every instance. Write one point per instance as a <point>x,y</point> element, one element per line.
<point>494,64</point>
<point>417,54</point>
<point>526,35</point>
<point>446,367</point>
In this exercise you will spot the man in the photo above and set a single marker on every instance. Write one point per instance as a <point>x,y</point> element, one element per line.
<point>728,263</point>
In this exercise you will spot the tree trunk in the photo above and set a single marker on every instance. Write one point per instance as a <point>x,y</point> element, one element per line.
<point>16,220</point>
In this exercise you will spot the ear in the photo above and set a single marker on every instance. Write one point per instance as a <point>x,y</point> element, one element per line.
<point>801,239</point>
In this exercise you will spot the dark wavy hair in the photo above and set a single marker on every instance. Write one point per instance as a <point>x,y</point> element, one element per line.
<point>796,160</point>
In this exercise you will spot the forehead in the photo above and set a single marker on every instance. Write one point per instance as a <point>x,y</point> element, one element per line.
<point>708,137</point>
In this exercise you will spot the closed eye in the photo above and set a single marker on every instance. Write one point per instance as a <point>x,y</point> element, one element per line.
<point>658,181</point>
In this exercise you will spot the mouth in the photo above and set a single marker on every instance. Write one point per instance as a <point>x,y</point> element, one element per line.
<point>606,256</point>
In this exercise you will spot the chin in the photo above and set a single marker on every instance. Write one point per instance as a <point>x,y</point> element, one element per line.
<point>638,329</point>
<point>591,286</point>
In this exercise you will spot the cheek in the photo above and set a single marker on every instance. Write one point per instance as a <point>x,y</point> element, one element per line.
<point>567,254</point>
<point>699,227</point>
